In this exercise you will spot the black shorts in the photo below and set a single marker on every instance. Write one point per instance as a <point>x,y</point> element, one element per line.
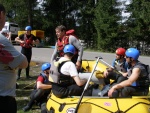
<point>8,104</point>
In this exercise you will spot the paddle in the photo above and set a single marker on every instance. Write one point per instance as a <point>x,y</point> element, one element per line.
<point>86,86</point>
<point>29,85</point>
<point>109,65</point>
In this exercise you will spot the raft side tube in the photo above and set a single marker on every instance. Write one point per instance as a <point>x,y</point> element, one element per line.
<point>100,104</point>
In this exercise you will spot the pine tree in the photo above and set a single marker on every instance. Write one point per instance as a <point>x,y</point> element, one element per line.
<point>106,25</point>
<point>139,25</point>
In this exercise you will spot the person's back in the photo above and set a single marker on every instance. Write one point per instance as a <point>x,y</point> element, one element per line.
<point>10,59</point>
<point>68,73</point>
<point>7,68</point>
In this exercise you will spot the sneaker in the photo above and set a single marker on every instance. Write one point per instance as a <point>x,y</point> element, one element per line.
<point>104,90</point>
<point>26,108</point>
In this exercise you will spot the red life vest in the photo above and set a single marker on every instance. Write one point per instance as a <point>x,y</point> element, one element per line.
<point>28,42</point>
<point>64,41</point>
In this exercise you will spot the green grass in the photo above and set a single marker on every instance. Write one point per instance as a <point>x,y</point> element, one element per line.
<point>22,93</point>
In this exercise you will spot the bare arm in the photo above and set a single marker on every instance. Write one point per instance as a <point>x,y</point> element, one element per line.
<point>79,82</point>
<point>54,55</point>
<point>9,36</point>
<point>130,80</point>
<point>17,39</point>
<point>24,63</point>
<point>134,76</point>
<point>40,85</point>
<point>74,41</point>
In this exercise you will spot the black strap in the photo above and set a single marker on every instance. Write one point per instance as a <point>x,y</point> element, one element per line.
<point>61,64</point>
<point>65,80</point>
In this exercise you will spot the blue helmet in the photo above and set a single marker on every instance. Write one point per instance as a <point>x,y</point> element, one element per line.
<point>133,53</point>
<point>45,66</point>
<point>69,49</point>
<point>28,28</point>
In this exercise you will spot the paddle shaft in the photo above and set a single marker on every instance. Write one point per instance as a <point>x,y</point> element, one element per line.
<point>110,65</point>
<point>86,86</point>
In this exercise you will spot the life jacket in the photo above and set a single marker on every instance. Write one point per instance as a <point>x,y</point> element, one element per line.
<point>120,66</point>
<point>45,78</point>
<point>64,80</point>
<point>28,42</point>
<point>144,77</point>
<point>64,41</point>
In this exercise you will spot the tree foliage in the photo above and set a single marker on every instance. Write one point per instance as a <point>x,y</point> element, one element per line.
<point>139,25</point>
<point>106,24</point>
<point>95,21</point>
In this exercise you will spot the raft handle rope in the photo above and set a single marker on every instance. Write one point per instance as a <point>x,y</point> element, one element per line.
<point>29,85</point>
<point>127,110</point>
<point>86,86</point>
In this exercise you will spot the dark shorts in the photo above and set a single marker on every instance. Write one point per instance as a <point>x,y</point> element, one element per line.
<point>8,104</point>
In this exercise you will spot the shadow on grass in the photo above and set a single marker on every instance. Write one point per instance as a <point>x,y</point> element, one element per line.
<point>25,88</point>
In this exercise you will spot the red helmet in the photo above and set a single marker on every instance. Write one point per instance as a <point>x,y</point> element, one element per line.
<point>120,51</point>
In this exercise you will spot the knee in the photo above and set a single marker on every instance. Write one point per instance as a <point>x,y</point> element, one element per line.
<point>125,92</point>
<point>40,91</point>
<point>115,94</point>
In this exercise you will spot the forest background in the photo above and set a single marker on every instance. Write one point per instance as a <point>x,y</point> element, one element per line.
<point>99,23</point>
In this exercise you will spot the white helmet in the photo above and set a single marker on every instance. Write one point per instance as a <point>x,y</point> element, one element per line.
<point>4,30</point>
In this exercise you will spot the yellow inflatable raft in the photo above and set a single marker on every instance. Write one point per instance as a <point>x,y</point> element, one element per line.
<point>96,104</point>
<point>99,105</point>
<point>88,66</point>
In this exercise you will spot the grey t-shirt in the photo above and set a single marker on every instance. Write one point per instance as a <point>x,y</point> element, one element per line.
<point>10,59</point>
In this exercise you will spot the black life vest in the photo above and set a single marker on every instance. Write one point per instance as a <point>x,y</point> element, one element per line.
<point>64,80</point>
<point>144,78</point>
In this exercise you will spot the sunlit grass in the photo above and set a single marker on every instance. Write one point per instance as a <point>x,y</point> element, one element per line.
<point>25,88</point>
<point>23,93</point>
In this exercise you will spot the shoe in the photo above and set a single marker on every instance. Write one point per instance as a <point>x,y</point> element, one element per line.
<point>28,77</point>
<point>104,90</point>
<point>26,108</point>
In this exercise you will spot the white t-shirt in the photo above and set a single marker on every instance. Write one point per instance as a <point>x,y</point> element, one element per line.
<point>10,58</point>
<point>68,68</point>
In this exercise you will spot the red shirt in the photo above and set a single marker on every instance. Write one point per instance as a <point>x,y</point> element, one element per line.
<point>40,78</point>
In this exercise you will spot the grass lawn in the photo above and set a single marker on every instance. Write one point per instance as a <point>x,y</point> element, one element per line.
<point>22,93</point>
